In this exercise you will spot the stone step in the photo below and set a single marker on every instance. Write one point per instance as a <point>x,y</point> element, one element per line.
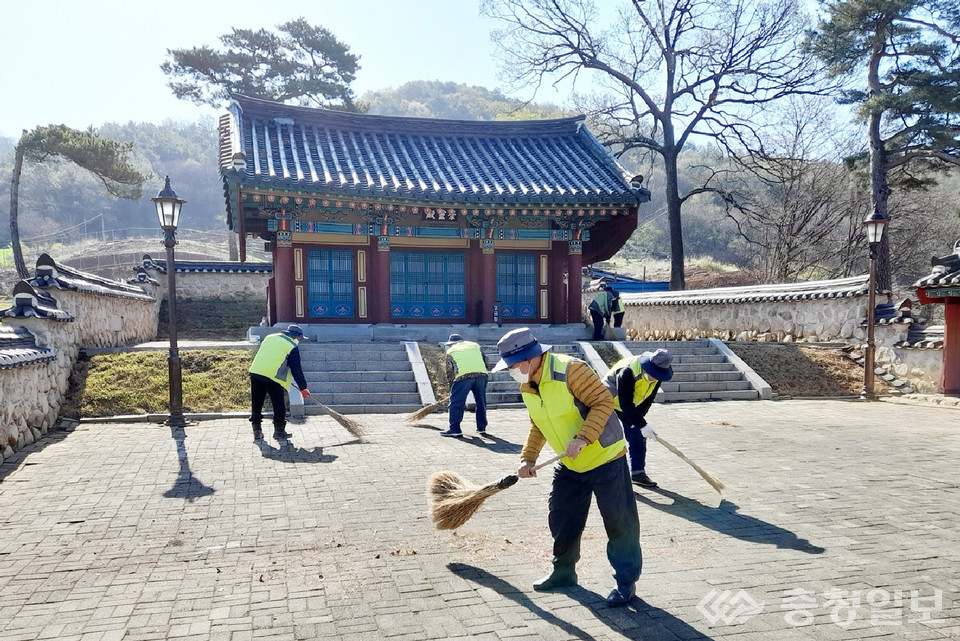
<point>322,376</point>
<point>705,386</point>
<point>374,399</point>
<point>357,365</point>
<point>698,376</point>
<point>365,387</point>
<point>725,395</point>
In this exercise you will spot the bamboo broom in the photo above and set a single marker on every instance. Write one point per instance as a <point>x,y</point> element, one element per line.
<point>424,412</point>
<point>351,425</point>
<point>453,499</point>
<point>716,483</point>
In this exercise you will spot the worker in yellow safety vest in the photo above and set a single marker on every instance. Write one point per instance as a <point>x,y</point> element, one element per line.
<point>606,304</point>
<point>572,411</point>
<point>274,368</point>
<point>634,382</point>
<point>467,372</point>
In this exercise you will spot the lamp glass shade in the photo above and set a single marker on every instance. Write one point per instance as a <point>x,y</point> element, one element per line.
<point>875,227</point>
<point>168,211</point>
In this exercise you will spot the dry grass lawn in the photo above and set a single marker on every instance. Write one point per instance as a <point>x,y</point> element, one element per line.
<point>802,370</point>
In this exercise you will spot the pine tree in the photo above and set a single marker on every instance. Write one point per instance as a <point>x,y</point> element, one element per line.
<point>901,63</point>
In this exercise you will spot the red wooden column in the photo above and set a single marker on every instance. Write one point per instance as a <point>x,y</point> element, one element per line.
<point>283,271</point>
<point>574,282</point>
<point>488,265</point>
<point>381,279</point>
<point>950,377</point>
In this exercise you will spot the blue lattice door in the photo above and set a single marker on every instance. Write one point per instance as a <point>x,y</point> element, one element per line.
<point>517,286</point>
<point>427,285</point>
<point>330,283</point>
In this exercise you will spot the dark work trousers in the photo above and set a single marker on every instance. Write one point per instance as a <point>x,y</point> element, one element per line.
<point>636,444</point>
<point>597,324</point>
<point>260,386</point>
<point>569,504</point>
<point>618,319</point>
<point>458,401</point>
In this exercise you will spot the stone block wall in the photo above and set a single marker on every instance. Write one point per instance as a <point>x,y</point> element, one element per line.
<point>813,312</point>
<point>64,310</point>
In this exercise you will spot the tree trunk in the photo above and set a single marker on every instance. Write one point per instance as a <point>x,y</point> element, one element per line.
<point>879,195</point>
<point>677,279</point>
<point>879,190</point>
<point>14,206</point>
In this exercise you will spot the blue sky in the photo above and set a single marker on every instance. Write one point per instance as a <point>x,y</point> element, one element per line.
<point>83,63</point>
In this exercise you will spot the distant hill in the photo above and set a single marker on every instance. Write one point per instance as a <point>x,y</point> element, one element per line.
<point>436,99</point>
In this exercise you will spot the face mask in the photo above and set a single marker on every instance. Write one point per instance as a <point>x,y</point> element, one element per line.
<point>519,376</point>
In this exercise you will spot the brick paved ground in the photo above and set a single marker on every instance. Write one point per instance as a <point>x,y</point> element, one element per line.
<point>121,531</point>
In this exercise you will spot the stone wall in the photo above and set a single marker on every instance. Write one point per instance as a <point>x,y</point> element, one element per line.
<point>64,310</point>
<point>813,312</point>
<point>217,286</point>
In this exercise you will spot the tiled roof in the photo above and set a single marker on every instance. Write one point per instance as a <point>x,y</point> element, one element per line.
<point>546,162</point>
<point>946,271</point>
<point>29,303</point>
<point>50,274</point>
<point>809,290</point>
<point>213,267</point>
<point>18,347</point>
<point>923,337</point>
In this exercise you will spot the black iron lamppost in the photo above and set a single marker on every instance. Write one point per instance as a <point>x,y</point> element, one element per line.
<point>168,211</point>
<point>875,225</point>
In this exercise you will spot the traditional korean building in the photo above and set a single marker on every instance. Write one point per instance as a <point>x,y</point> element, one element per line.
<point>375,219</point>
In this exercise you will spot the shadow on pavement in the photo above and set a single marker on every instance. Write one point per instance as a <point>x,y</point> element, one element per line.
<point>639,620</point>
<point>186,486</point>
<point>726,520</point>
<point>287,452</point>
<point>508,590</point>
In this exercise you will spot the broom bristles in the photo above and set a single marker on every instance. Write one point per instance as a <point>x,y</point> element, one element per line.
<point>424,412</point>
<point>714,482</point>
<point>351,426</point>
<point>453,500</point>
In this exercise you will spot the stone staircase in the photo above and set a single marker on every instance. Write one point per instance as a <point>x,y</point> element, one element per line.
<point>704,370</point>
<point>359,378</point>
<point>502,390</point>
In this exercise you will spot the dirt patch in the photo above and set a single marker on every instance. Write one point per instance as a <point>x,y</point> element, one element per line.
<point>803,371</point>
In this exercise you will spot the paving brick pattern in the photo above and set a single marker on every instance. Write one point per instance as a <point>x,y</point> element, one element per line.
<point>126,531</point>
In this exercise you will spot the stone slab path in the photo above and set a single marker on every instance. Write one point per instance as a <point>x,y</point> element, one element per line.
<point>841,521</point>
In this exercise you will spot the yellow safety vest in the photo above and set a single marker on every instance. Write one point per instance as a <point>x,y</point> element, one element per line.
<point>602,302</point>
<point>558,415</point>
<point>467,358</point>
<point>641,390</point>
<point>271,359</point>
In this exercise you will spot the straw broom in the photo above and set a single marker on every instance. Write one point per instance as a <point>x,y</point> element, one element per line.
<point>716,483</point>
<point>424,412</point>
<point>351,426</point>
<point>453,499</point>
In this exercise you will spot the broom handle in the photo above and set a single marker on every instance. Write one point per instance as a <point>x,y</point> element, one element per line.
<point>548,462</point>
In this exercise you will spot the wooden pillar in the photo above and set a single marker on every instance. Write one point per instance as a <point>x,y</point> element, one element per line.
<point>574,282</point>
<point>950,377</point>
<point>558,284</point>
<point>488,266</point>
<point>382,280</point>
<point>283,273</point>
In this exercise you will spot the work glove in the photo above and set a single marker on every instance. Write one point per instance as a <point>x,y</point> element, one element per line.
<point>648,432</point>
<point>574,447</point>
<point>304,393</point>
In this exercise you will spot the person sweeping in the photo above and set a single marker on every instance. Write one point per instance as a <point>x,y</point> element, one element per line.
<point>467,372</point>
<point>572,411</point>
<point>274,368</point>
<point>634,382</point>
